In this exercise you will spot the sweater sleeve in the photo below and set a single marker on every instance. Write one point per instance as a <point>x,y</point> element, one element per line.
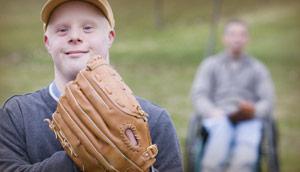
<point>13,154</point>
<point>164,135</point>
<point>265,93</point>
<point>202,89</point>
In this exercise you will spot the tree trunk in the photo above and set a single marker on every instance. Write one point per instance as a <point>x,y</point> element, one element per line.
<point>158,13</point>
<point>217,6</point>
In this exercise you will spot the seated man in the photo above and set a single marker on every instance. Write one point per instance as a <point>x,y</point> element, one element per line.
<point>232,92</point>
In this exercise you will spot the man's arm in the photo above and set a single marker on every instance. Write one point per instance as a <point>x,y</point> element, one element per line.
<point>265,92</point>
<point>163,134</point>
<point>202,89</point>
<point>13,154</point>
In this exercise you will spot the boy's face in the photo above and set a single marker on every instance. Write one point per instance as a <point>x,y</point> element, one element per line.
<point>76,32</point>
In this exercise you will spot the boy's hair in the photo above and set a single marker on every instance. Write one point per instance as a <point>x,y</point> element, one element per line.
<point>234,21</point>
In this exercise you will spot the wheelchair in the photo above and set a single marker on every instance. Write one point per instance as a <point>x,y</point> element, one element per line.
<point>197,136</point>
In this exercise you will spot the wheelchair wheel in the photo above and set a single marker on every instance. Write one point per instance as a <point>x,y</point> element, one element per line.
<point>196,136</point>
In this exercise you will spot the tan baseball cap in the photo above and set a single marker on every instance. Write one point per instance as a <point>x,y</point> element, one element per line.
<point>103,5</point>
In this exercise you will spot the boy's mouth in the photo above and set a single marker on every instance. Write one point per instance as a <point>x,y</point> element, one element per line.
<point>76,52</point>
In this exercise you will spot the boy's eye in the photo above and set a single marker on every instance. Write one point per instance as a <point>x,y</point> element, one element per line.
<point>88,28</point>
<point>62,30</point>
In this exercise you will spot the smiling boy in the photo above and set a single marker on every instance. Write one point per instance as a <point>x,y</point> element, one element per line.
<point>75,31</point>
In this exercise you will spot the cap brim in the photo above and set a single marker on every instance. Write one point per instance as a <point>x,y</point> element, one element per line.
<point>49,7</point>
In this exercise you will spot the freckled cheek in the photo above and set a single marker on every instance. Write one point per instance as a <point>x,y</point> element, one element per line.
<point>98,44</point>
<point>58,45</point>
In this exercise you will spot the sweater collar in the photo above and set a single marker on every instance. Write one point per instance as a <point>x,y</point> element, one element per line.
<point>229,57</point>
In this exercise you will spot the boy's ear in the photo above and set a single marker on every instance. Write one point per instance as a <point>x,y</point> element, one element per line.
<point>46,41</point>
<point>111,37</point>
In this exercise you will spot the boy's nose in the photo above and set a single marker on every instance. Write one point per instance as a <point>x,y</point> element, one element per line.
<point>75,37</point>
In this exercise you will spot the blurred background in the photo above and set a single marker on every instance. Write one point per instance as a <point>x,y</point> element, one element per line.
<point>158,48</point>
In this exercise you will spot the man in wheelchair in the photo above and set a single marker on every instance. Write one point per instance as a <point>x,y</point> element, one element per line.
<point>232,93</point>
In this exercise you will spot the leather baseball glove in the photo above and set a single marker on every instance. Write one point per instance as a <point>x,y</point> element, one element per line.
<point>101,125</point>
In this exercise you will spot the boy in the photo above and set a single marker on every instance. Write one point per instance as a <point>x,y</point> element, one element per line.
<point>74,32</point>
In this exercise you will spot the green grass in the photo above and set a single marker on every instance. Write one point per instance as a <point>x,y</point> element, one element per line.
<point>160,64</point>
